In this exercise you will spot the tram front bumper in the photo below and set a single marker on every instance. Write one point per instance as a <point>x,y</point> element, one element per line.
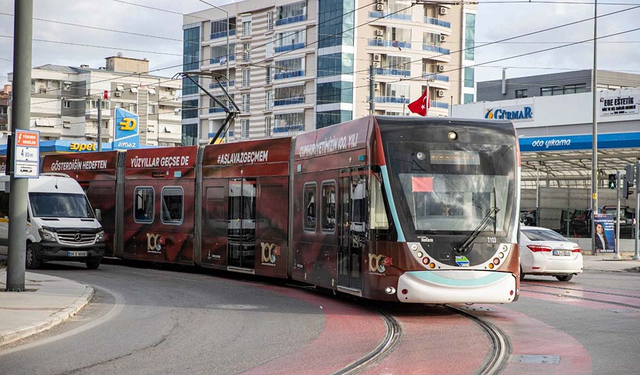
<point>456,286</point>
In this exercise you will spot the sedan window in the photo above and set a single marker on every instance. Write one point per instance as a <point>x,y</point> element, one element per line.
<point>542,235</point>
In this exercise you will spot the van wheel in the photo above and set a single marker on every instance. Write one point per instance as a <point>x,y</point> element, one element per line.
<point>93,264</point>
<point>564,277</point>
<point>32,260</point>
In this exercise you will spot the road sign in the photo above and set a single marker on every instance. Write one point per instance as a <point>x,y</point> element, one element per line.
<point>27,154</point>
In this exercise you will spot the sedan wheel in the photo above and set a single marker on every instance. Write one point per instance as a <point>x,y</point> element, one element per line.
<point>564,277</point>
<point>521,274</point>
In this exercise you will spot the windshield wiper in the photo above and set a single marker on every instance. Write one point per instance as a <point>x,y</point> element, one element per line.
<point>491,214</point>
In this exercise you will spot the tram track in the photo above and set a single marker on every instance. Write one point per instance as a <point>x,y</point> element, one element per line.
<point>582,290</point>
<point>627,305</point>
<point>500,343</point>
<point>393,335</point>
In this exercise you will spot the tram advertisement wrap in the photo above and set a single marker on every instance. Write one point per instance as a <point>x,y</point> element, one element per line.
<point>605,234</point>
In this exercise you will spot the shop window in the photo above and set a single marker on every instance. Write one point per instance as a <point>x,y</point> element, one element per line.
<point>143,204</point>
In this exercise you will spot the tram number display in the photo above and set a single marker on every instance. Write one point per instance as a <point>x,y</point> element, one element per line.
<point>450,157</point>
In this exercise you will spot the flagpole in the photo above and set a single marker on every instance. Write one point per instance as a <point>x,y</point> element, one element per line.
<point>427,101</point>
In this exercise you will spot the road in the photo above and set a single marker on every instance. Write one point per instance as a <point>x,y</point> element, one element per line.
<point>149,321</point>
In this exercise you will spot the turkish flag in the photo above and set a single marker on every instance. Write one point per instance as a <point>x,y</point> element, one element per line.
<point>421,105</point>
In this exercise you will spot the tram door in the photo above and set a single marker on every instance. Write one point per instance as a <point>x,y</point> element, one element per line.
<point>241,229</point>
<point>353,214</point>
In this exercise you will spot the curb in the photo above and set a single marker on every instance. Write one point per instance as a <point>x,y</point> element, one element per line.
<point>55,319</point>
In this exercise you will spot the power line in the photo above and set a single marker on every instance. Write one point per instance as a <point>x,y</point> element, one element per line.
<point>96,46</point>
<point>156,8</point>
<point>98,28</point>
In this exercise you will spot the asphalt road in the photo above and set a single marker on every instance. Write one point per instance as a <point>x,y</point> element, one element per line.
<point>150,321</point>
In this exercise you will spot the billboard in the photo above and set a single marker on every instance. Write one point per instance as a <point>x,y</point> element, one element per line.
<point>605,233</point>
<point>127,135</point>
<point>611,105</point>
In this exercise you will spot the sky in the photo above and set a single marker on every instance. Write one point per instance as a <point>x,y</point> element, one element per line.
<point>495,21</point>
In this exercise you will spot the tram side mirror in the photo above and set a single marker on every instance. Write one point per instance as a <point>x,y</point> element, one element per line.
<point>98,214</point>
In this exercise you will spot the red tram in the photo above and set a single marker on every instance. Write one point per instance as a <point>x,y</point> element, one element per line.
<point>387,208</point>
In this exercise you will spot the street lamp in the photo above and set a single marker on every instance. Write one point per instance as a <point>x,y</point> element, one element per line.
<point>227,56</point>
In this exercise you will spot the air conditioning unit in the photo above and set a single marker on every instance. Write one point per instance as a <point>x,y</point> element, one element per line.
<point>380,7</point>
<point>379,32</point>
<point>376,64</point>
<point>443,11</point>
<point>379,39</point>
<point>117,93</point>
<point>440,68</point>
<point>442,38</point>
<point>440,93</point>
<point>376,57</point>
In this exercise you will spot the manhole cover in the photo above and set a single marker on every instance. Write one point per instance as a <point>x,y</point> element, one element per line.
<point>548,359</point>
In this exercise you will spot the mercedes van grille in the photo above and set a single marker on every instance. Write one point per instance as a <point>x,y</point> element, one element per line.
<point>77,238</point>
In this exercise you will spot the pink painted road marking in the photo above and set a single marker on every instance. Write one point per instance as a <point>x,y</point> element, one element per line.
<point>436,341</point>
<point>350,333</point>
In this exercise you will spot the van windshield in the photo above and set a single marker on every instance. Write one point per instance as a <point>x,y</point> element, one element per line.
<point>60,205</point>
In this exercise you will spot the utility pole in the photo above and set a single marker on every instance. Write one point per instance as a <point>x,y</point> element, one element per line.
<point>22,41</point>
<point>99,124</point>
<point>637,219</point>
<point>372,90</point>
<point>594,152</point>
<point>618,179</point>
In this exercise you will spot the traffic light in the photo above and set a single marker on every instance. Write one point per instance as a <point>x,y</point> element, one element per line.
<point>612,181</point>
<point>628,180</point>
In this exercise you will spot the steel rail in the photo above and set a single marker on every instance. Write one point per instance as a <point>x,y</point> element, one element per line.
<point>392,337</point>
<point>500,343</point>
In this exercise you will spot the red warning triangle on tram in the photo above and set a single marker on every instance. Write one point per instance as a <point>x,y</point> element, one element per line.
<point>422,184</point>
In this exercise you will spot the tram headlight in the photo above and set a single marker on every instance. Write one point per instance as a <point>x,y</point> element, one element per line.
<point>453,136</point>
<point>501,255</point>
<point>419,254</point>
<point>414,247</point>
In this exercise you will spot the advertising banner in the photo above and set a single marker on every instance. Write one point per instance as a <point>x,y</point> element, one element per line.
<point>27,154</point>
<point>127,136</point>
<point>623,104</point>
<point>605,238</point>
<point>512,113</point>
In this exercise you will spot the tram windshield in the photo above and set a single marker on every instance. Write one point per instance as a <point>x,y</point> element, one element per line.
<point>442,189</point>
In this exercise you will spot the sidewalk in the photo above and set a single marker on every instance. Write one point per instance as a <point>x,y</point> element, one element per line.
<point>48,302</point>
<point>606,263</point>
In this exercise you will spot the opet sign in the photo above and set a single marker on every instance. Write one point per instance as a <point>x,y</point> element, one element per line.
<point>79,147</point>
<point>127,135</point>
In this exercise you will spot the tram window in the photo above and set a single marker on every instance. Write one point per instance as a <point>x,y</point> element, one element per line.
<point>377,212</point>
<point>172,210</point>
<point>310,207</point>
<point>143,204</point>
<point>328,213</point>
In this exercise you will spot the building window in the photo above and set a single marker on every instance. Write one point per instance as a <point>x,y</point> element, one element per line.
<point>188,87</point>
<point>469,79</point>
<point>288,122</point>
<point>309,207</point>
<point>332,117</point>
<point>219,28</point>
<point>153,109</point>
<point>468,98</point>
<point>246,77</point>
<point>143,204</point>
<point>190,109</point>
<point>398,90</point>
<point>191,49</point>
<point>244,133</point>
<point>270,20</point>
<point>289,95</point>
<point>336,23</point>
<point>246,52</point>
<point>246,28</point>
<point>269,74</point>
<point>246,102</point>
<point>328,213</point>
<point>220,55</point>
<point>545,91</point>
<point>290,68</point>
<point>469,36</point>
<point>267,126</point>
<point>133,108</point>
<point>66,104</point>
<point>172,208</point>
<point>268,105</point>
<point>291,40</point>
<point>189,134</point>
<point>521,93</point>
<point>335,92</point>
<point>335,64</point>
<point>574,89</point>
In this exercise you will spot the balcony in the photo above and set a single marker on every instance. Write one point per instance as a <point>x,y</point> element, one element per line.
<point>289,101</point>
<point>290,20</point>
<point>435,77</point>
<point>216,110</point>
<point>393,72</point>
<point>391,100</point>
<point>288,128</point>
<point>292,74</point>
<point>432,48</point>
<point>216,85</point>
<point>437,22</point>
<point>435,104</point>
<point>289,47</point>
<point>229,134</point>
<point>396,16</point>
<point>388,43</point>
<point>221,60</point>
<point>222,34</point>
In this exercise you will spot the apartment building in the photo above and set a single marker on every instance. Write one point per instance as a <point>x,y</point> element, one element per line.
<point>4,110</point>
<point>64,101</point>
<point>300,65</point>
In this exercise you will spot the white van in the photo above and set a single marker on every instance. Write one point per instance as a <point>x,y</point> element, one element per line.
<point>61,225</point>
